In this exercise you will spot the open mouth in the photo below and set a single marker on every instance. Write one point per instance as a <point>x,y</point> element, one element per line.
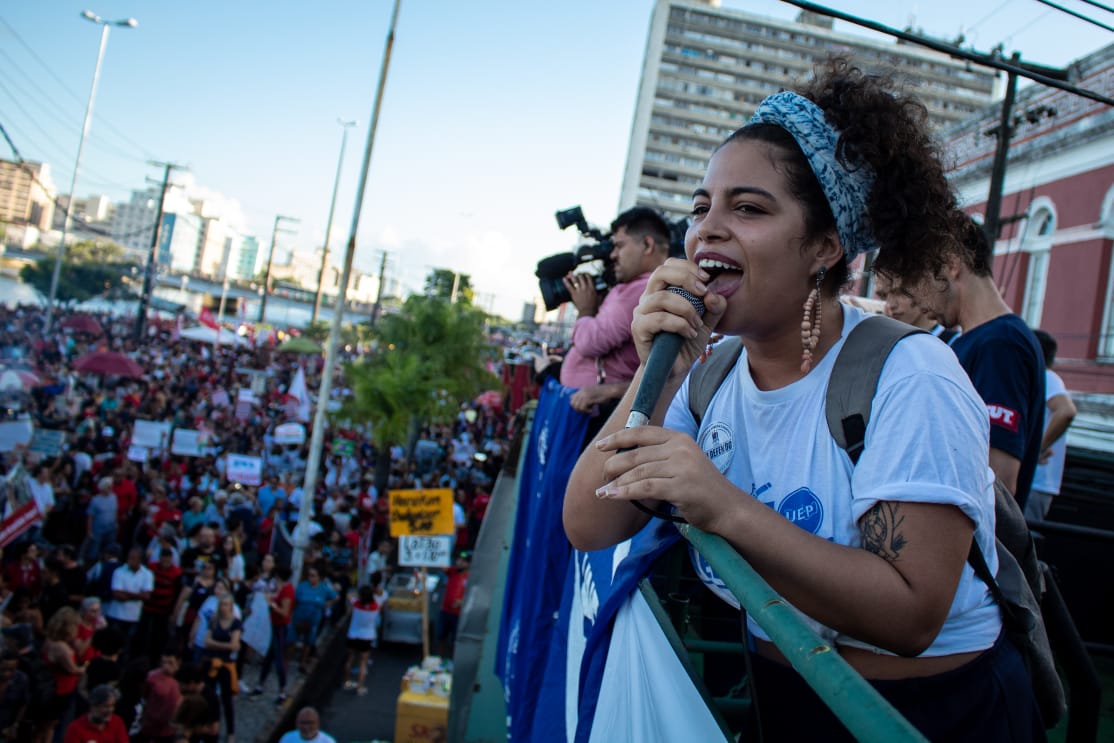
<point>717,268</point>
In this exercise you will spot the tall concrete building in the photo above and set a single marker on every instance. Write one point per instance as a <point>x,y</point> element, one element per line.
<point>706,69</point>
<point>26,192</point>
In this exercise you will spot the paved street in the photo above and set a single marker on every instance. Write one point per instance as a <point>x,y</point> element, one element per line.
<point>350,718</point>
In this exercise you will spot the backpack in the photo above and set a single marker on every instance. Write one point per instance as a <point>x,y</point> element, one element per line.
<point>1019,586</point>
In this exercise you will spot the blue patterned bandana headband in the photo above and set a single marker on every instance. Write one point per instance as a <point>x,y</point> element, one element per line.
<point>847,190</point>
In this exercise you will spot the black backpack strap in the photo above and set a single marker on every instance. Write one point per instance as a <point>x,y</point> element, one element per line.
<point>855,378</point>
<point>706,377</point>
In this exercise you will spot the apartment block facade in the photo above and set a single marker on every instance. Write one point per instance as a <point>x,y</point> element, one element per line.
<point>707,68</point>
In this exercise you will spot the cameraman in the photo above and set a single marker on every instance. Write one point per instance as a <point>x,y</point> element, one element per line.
<point>601,359</point>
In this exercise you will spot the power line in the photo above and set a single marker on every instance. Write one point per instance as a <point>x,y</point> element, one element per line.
<point>988,16</point>
<point>1075,14</point>
<point>1098,5</point>
<point>86,226</point>
<point>1044,75</point>
<point>65,87</point>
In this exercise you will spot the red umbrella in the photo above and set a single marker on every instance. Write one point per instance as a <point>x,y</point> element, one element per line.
<point>108,363</point>
<point>490,399</point>
<point>82,324</point>
<point>21,379</point>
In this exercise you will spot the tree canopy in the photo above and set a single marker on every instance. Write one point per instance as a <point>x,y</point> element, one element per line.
<point>430,357</point>
<point>440,283</point>
<point>89,269</point>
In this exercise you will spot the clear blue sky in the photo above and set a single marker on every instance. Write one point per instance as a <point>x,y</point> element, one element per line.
<point>496,113</point>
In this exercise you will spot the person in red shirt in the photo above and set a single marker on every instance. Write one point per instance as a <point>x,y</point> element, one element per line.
<point>453,601</point>
<point>100,724</point>
<point>282,610</point>
<point>161,696</point>
<point>25,572</point>
<point>154,622</point>
<point>126,495</point>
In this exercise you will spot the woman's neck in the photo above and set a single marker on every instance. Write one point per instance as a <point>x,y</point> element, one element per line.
<point>775,361</point>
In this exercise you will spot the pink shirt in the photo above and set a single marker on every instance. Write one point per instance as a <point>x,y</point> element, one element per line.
<point>606,339</point>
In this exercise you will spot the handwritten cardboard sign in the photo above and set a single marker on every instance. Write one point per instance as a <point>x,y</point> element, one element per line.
<point>430,552</point>
<point>244,469</point>
<point>187,443</point>
<point>151,434</point>
<point>421,512</point>
<point>15,433</point>
<point>47,442</point>
<point>290,433</point>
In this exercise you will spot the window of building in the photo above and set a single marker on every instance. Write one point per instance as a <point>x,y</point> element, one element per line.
<point>1037,242</point>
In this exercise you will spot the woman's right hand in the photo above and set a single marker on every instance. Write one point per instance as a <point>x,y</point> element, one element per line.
<point>663,311</point>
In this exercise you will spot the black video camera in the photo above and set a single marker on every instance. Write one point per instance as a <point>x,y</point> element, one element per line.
<point>552,270</point>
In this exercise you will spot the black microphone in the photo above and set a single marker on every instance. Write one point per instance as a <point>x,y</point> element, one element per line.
<point>663,353</point>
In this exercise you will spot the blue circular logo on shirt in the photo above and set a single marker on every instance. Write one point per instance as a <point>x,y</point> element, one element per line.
<point>804,509</point>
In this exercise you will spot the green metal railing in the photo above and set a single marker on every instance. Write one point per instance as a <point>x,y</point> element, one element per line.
<point>858,705</point>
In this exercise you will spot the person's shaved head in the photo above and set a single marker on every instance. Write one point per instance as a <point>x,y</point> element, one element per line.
<point>308,723</point>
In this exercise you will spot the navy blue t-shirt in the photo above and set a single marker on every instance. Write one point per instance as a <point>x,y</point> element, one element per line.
<point>1005,363</point>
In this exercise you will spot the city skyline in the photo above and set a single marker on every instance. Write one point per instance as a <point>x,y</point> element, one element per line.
<point>487,128</point>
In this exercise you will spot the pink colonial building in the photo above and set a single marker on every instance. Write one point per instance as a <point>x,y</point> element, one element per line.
<point>1054,261</point>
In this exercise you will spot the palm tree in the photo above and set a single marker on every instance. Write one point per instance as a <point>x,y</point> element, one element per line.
<point>430,358</point>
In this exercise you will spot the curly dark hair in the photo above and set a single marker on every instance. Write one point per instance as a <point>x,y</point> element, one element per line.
<point>912,208</point>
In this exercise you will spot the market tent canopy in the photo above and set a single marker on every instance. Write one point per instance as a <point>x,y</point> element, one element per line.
<point>205,334</point>
<point>299,345</point>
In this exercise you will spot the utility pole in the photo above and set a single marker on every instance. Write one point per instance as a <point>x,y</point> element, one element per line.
<point>317,441</point>
<point>270,256</point>
<point>379,289</point>
<point>992,224</point>
<point>149,269</point>
<point>329,224</point>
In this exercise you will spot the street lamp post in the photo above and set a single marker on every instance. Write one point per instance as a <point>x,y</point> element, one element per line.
<point>94,18</point>
<point>270,256</point>
<point>317,440</point>
<point>345,125</point>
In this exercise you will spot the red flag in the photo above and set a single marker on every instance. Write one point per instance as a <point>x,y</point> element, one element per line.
<point>22,519</point>
<point>206,318</point>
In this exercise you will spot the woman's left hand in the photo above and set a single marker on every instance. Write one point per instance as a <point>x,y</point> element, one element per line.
<point>665,465</point>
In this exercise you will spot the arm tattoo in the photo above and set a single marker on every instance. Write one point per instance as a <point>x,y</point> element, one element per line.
<point>880,528</point>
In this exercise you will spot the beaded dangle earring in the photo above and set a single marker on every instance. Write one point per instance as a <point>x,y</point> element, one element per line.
<point>810,324</point>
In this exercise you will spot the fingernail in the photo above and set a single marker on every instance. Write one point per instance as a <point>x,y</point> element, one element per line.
<point>601,443</point>
<point>606,491</point>
<point>704,275</point>
<point>701,286</point>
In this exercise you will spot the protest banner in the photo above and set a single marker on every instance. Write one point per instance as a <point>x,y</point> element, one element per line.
<point>22,519</point>
<point>428,552</point>
<point>186,443</point>
<point>151,434</point>
<point>138,453</point>
<point>421,512</point>
<point>244,469</point>
<point>15,433</point>
<point>290,433</point>
<point>47,442</point>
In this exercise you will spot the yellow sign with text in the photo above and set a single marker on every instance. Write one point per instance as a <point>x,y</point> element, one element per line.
<point>421,513</point>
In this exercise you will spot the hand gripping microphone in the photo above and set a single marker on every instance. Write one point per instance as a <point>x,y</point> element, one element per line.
<point>663,353</point>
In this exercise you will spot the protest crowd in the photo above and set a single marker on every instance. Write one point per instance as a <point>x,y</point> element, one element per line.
<point>153,599</point>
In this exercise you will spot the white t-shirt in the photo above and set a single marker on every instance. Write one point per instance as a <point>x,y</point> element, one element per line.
<point>364,624</point>
<point>295,737</point>
<point>123,579</point>
<point>1047,476</point>
<point>775,444</point>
